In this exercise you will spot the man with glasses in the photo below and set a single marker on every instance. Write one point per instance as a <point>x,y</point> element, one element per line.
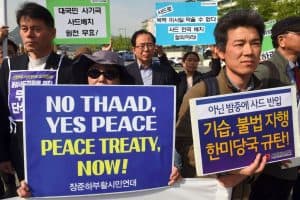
<point>144,71</point>
<point>275,182</point>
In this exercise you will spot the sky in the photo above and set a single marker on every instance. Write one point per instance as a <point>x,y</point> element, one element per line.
<point>126,15</point>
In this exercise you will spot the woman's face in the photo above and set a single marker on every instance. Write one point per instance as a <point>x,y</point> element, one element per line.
<point>103,75</point>
<point>191,63</point>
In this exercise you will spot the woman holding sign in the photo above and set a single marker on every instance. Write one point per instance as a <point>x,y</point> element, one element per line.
<point>100,68</point>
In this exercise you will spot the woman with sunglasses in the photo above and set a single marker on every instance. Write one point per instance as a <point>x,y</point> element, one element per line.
<point>100,68</point>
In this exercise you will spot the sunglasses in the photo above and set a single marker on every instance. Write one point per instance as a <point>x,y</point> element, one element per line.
<point>109,74</point>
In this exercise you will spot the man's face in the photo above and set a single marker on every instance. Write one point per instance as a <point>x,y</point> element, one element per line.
<point>144,49</point>
<point>242,52</point>
<point>36,36</point>
<point>290,43</point>
<point>10,52</point>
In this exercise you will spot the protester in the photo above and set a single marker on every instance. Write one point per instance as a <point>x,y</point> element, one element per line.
<point>190,76</point>
<point>238,36</point>
<point>100,68</point>
<point>275,182</point>
<point>12,50</point>
<point>37,32</point>
<point>7,180</point>
<point>144,71</point>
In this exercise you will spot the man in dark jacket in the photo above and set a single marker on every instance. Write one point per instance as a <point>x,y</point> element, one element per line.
<point>37,32</point>
<point>275,182</point>
<point>144,71</point>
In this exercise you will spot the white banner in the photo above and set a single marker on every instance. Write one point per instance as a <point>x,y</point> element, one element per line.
<point>192,189</point>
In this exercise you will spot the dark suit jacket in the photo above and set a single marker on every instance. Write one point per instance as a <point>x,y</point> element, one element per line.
<point>197,77</point>
<point>162,74</point>
<point>11,145</point>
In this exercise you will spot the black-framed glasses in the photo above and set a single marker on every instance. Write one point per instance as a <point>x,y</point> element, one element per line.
<point>143,45</point>
<point>108,74</point>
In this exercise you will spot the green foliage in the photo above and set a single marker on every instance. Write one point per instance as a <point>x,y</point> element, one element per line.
<point>269,9</point>
<point>244,4</point>
<point>121,43</point>
<point>287,8</point>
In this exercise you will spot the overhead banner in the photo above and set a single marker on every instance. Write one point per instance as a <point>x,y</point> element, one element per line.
<point>182,23</point>
<point>83,140</point>
<point>81,21</point>
<point>229,130</point>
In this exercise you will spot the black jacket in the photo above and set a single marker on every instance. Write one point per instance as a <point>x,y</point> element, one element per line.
<point>197,77</point>
<point>162,74</point>
<point>11,145</point>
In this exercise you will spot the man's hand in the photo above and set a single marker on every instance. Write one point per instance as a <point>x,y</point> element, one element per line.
<point>23,191</point>
<point>237,176</point>
<point>175,176</point>
<point>255,167</point>
<point>3,32</point>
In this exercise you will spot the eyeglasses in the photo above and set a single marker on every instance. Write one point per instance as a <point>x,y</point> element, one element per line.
<point>109,74</point>
<point>143,45</point>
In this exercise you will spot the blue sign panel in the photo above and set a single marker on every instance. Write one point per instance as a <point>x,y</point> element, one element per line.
<point>89,140</point>
<point>19,78</point>
<point>183,23</point>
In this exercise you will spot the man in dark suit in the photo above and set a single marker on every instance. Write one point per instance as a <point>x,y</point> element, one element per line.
<point>144,71</point>
<point>37,32</point>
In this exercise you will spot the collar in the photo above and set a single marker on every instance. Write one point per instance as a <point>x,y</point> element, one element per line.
<point>292,65</point>
<point>141,66</point>
<point>234,88</point>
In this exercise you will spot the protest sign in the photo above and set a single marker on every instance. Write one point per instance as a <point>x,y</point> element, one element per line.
<point>182,23</point>
<point>81,21</point>
<point>267,48</point>
<point>89,140</point>
<point>229,130</point>
<point>19,78</point>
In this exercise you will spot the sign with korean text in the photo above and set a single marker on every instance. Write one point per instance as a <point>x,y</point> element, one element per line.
<point>19,78</point>
<point>229,130</point>
<point>182,23</point>
<point>81,21</point>
<point>98,139</point>
<point>267,49</point>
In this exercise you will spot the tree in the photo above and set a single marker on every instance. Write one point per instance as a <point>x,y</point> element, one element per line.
<point>266,9</point>
<point>121,43</point>
<point>244,4</point>
<point>287,8</point>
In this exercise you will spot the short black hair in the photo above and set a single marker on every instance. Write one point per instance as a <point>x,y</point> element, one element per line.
<point>234,19</point>
<point>283,26</point>
<point>190,53</point>
<point>35,11</point>
<point>15,47</point>
<point>140,32</point>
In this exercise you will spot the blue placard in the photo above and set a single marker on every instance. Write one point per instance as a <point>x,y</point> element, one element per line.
<point>90,140</point>
<point>19,78</point>
<point>182,23</point>
<point>232,129</point>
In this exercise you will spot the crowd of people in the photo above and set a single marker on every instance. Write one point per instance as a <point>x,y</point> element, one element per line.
<point>238,35</point>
